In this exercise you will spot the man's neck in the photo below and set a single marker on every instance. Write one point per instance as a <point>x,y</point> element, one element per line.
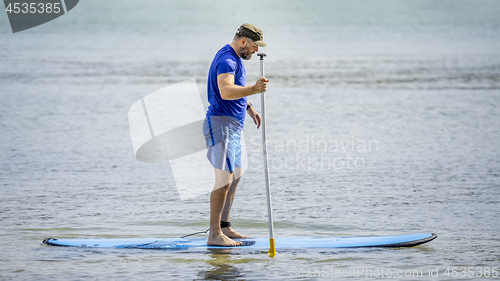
<point>235,47</point>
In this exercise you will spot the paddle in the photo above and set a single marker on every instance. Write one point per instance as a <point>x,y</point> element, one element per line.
<point>272,247</point>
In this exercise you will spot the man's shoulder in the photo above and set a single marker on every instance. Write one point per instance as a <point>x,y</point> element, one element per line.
<point>226,57</point>
<point>226,53</point>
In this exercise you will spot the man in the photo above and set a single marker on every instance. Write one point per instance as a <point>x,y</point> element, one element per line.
<point>227,94</point>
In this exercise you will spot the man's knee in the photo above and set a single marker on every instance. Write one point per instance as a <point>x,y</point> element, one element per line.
<point>223,184</point>
<point>223,179</point>
<point>237,174</point>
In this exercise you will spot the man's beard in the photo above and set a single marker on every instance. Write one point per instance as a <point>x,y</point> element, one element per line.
<point>244,53</point>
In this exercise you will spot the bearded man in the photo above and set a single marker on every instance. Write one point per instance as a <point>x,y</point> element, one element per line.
<point>227,95</point>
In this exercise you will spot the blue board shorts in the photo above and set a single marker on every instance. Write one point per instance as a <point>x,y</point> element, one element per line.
<point>223,140</point>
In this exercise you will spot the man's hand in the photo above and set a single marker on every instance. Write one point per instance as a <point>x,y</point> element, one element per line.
<point>261,85</point>
<point>255,116</point>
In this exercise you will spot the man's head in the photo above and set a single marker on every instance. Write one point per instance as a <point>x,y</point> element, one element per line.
<point>248,39</point>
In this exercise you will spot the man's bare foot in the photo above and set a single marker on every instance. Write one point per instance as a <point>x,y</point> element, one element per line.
<point>219,239</point>
<point>231,233</point>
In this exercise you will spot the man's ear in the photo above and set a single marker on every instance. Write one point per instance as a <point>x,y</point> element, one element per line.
<point>243,42</point>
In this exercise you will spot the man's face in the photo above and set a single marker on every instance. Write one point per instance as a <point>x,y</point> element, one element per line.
<point>247,51</point>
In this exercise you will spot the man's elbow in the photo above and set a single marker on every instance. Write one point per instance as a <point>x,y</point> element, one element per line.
<point>224,94</point>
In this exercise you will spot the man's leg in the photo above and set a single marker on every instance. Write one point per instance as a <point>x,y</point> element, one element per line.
<point>228,231</point>
<point>223,180</point>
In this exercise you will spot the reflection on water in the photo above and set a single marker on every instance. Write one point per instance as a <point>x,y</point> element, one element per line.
<point>223,265</point>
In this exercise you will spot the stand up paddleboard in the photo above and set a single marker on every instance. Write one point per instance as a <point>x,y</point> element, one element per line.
<point>250,243</point>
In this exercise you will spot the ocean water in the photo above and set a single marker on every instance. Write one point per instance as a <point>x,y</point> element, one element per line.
<point>383,118</point>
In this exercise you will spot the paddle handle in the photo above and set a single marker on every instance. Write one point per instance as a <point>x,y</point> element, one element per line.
<point>272,248</point>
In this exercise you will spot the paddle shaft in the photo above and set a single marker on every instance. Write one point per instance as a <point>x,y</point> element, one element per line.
<point>272,249</point>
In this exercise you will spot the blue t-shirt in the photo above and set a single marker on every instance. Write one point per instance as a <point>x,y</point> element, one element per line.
<point>226,61</point>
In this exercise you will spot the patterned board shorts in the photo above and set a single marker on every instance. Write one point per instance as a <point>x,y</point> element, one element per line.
<point>222,137</point>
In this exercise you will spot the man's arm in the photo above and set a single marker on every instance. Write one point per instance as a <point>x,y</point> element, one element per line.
<point>230,91</point>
